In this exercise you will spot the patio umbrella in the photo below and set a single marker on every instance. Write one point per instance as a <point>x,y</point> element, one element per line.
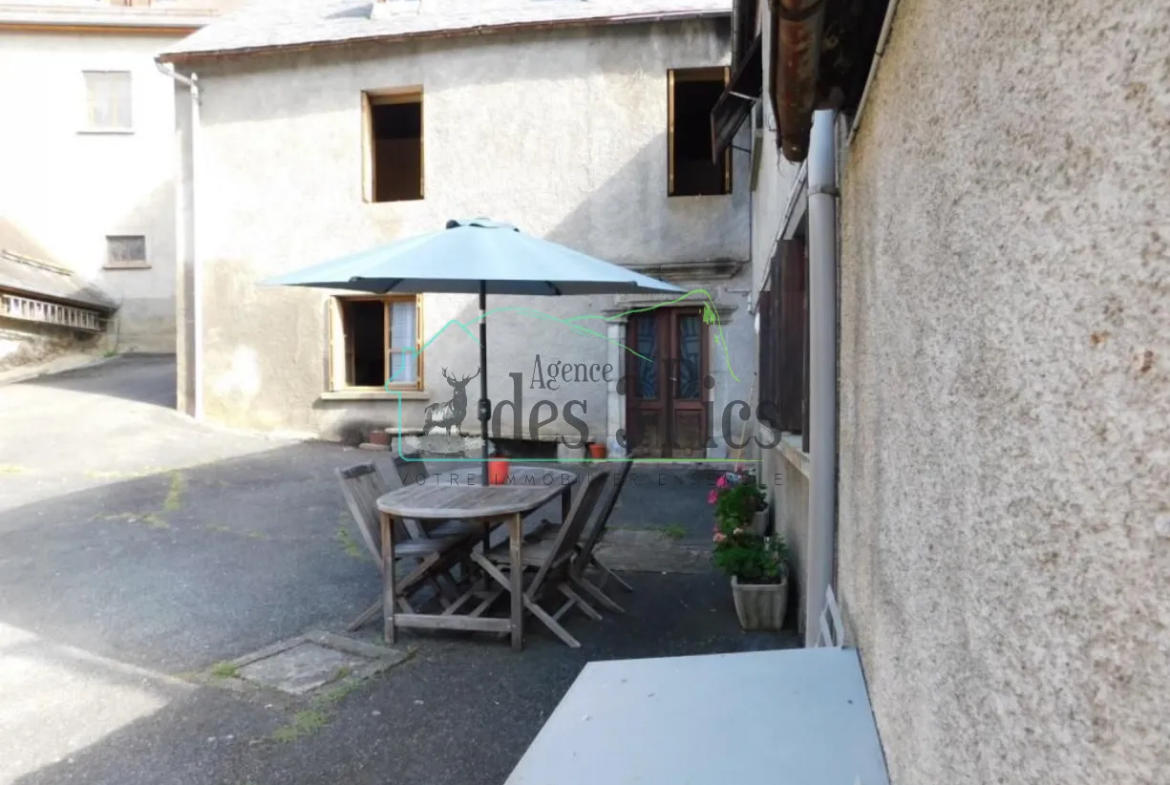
<point>477,256</point>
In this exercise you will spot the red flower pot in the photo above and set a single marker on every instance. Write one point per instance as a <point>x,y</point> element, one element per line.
<point>498,471</point>
<point>597,451</point>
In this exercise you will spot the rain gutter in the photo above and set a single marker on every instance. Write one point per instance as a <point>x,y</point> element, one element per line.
<point>883,38</point>
<point>798,31</point>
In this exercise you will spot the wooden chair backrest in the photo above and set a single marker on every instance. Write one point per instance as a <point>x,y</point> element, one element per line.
<point>601,521</point>
<point>405,471</point>
<point>569,534</point>
<point>361,485</point>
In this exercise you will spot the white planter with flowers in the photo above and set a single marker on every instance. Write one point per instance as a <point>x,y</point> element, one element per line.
<point>757,564</point>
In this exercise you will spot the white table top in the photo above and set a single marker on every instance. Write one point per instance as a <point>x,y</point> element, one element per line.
<point>796,717</point>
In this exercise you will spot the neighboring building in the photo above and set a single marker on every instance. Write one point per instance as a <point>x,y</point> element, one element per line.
<point>45,309</point>
<point>324,128</point>
<point>87,148</point>
<point>968,368</point>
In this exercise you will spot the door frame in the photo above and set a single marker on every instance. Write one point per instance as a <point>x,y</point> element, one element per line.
<point>666,324</point>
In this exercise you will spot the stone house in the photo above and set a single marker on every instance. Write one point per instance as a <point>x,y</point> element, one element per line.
<point>319,128</point>
<point>86,151</point>
<point>960,274</point>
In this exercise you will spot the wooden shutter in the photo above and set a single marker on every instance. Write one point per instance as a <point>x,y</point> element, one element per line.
<point>803,261</point>
<point>727,152</point>
<point>767,394</point>
<point>369,186</point>
<point>670,133</point>
<point>791,285</point>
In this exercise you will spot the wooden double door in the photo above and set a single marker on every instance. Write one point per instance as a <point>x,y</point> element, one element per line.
<point>667,383</point>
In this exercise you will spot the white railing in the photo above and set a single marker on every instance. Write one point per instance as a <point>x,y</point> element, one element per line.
<point>15,307</point>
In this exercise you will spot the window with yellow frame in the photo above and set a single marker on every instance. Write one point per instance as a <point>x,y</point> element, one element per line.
<point>374,343</point>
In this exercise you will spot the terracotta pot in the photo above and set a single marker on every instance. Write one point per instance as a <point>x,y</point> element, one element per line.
<point>379,436</point>
<point>760,606</point>
<point>597,451</point>
<point>498,471</point>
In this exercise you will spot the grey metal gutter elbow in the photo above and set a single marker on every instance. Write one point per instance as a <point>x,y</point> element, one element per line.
<point>822,366</point>
<point>798,31</point>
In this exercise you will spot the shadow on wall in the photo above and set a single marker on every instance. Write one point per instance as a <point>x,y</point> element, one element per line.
<point>630,212</point>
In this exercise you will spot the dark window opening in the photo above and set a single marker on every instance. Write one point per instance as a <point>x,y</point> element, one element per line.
<point>365,330</point>
<point>693,172</point>
<point>396,148</point>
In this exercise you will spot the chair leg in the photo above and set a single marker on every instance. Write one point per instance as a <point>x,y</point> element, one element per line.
<point>367,616</point>
<point>608,573</point>
<point>579,601</point>
<point>583,583</point>
<point>551,623</point>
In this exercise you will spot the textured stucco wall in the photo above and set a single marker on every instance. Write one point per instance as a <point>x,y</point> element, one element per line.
<point>563,134</point>
<point>67,190</point>
<point>1005,404</point>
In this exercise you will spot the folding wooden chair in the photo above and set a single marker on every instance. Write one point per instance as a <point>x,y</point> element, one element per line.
<point>410,470</point>
<point>551,560</point>
<point>585,550</point>
<point>361,485</point>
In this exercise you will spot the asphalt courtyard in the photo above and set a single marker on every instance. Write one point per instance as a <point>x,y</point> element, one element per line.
<point>138,549</point>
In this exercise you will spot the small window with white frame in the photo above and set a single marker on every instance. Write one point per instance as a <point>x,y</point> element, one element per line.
<point>374,343</point>
<point>126,252</point>
<point>108,103</point>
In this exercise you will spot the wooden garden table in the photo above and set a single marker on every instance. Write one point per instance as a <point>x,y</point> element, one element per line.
<point>529,488</point>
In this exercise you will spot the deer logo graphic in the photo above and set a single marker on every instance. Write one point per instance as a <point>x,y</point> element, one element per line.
<point>452,412</point>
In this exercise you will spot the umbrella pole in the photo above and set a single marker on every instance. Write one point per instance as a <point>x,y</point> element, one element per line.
<point>485,406</point>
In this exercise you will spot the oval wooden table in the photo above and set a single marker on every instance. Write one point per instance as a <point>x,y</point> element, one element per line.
<point>444,498</point>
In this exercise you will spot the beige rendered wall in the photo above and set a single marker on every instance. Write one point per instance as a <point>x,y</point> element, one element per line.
<point>562,133</point>
<point>66,190</point>
<point>1004,487</point>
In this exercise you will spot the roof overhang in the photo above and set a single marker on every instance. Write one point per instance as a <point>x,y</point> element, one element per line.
<point>820,58</point>
<point>102,20</point>
<point>468,31</point>
<point>734,106</point>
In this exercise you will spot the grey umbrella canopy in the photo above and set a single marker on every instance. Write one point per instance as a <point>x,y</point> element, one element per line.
<point>477,256</point>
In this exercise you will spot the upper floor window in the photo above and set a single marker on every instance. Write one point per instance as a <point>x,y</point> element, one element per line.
<point>393,134</point>
<point>693,170</point>
<point>107,101</point>
<point>126,251</point>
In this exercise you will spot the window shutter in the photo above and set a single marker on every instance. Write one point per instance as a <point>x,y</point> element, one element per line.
<point>670,133</point>
<point>767,393</point>
<point>727,152</point>
<point>369,187</point>
<point>790,283</point>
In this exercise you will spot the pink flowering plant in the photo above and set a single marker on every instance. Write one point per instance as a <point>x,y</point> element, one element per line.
<point>739,551</point>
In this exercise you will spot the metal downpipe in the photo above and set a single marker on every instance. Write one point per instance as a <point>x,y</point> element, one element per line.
<point>822,396</point>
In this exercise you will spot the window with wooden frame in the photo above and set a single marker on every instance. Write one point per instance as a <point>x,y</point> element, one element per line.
<point>374,343</point>
<point>783,343</point>
<point>392,145</point>
<point>692,169</point>
<point>108,106</point>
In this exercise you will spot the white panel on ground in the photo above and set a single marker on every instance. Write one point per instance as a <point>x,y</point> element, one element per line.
<point>796,716</point>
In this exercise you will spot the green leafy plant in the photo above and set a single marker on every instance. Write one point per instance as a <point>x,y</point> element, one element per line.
<point>739,551</point>
<point>737,498</point>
